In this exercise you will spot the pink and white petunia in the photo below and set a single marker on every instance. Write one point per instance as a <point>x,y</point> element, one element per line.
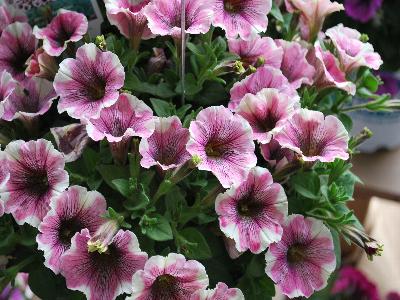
<point>251,213</point>
<point>328,73</point>
<point>7,86</point>
<point>314,136</point>
<point>303,260</point>
<point>312,14</point>
<point>41,65</point>
<point>128,16</point>
<point>17,44</point>
<point>353,53</point>
<point>31,99</point>
<point>260,50</point>
<point>221,292</point>
<point>67,26</point>
<point>71,140</point>
<point>276,156</point>
<point>245,18</point>
<point>164,17</point>
<point>295,66</point>
<point>102,275</point>
<point>166,147</point>
<point>36,175</point>
<point>224,143</point>
<point>4,177</point>
<point>72,211</point>
<point>266,112</point>
<point>264,77</point>
<point>171,277</point>
<point>88,83</point>
<point>9,15</point>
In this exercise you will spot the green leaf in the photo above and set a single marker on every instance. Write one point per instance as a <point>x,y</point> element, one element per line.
<point>157,228</point>
<point>162,108</point>
<point>195,245</point>
<point>307,184</point>
<point>192,86</point>
<point>260,288</point>
<point>138,200</point>
<point>336,244</point>
<point>111,172</point>
<point>346,120</point>
<point>122,186</point>
<point>276,12</point>
<point>161,90</point>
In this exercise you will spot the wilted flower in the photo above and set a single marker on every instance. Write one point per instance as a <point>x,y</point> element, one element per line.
<point>221,292</point>
<point>276,156</point>
<point>245,18</point>
<point>170,277</point>
<point>257,51</point>
<point>266,112</point>
<point>303,260</point>
<point>36,175</point>
<point>353,53</point>
<point>41,65</point>
<point>224,143</point>
<point>67,26</point>
<point>314,136</point>
<point>164,17</point>
<point>265,77</point>
<point>362,10</point>
<point>72,211</point>
<point>166,147</point>
<point>157,62</point>
<point>9,15</point>
<point>71,140</point>
<point>88,83</point>
<point>17,44</point>
<point>102,275</point>
<point>252,212</point>
<point>295,66</point>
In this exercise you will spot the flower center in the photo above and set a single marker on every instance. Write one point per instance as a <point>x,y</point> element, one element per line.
<point>248,207</point>
<point>233,6</point>
<point>37,182</point>
<point>67,230</point>
<point>296,254</point>
<point>97,90</point>
<point>164,285</point>
<point>213,150</point>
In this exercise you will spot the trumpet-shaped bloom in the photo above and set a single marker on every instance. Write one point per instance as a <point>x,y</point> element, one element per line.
<point>88,83</point>
<point>353,53</point>
<point>171,277</point>
<point>265,77</point>
<point>72,211</point>
<point>328,73</point>
<point>9,15</point>
<point>102,275</point>
<point>166,147</point>
<point>295,66</point>
<point>224,143</point>
<point>251,213</point>
<point>41,65</point>
<point>362,10</point>
<point>71,140</point>
<point>245,18</point>
<point>312,14</point>
<point>36,175</point>
<point>314,136</point>
<point>67,26</point>
<point>17,44</point>
<point>128,16</point>
<point>128,117</point>
<point>261,50</point>
<point>30,99</point>
<point>221,292</point>
<point>276,156</point>
<point>266,112</point>
<point>304,259</point>
<point>164,16</point>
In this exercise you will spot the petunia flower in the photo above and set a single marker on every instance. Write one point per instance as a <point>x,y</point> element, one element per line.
<point>67,26</point>
<point>88,83</point>
<point>264,77</point>
<point>17,44</point>
<point>303,260</point>
<point>7,87</point>
<point>102,275</point>
<point>260,50</point>
<point>224,143</point>
<point>166,147</point>
<point>276,156</point>
<point>266,112</point>
<point>71,140</point>
<point>312,15</point>
<point>328,73</point>
<point>128,117</point>
<point>4,177</point>
<point>164,17</point>
<point>36,175</point>
<point>295,66</point>
<point>390,84</point>
<point>221,292</point>
<point>9,15</point>
<point>314,136</point>
<point>128,16</point>
<point>245,18</point>
<point>353,53</point>
<point>251,213</point>
<point>171,277</point>
<point>72,211</point>
<point>41,65</point>
<point>362,10</point>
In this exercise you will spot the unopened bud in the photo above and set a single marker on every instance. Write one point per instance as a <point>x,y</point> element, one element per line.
<point>101,42</point>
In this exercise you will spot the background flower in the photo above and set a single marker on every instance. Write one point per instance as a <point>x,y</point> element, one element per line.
<point>362,10</point>
<point>9,15</point>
